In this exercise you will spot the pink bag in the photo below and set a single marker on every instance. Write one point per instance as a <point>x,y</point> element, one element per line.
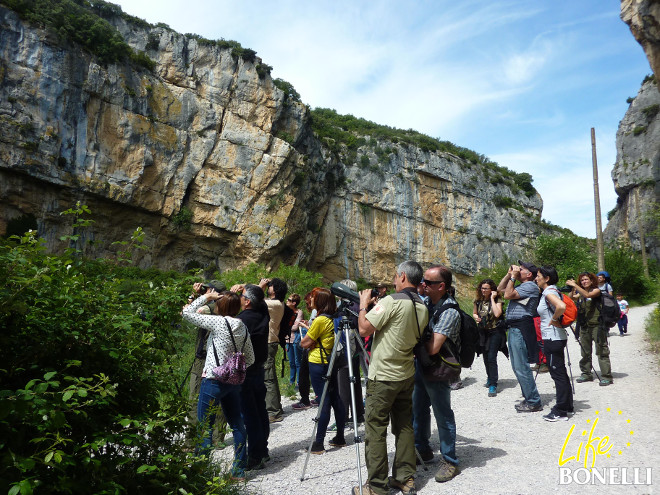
<point>233,370</point>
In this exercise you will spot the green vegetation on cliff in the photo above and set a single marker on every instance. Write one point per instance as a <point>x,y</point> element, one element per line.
<point>82,22</point>
<point>346,130</point>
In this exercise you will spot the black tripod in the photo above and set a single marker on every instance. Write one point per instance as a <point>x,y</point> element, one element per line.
<point>342,341</point>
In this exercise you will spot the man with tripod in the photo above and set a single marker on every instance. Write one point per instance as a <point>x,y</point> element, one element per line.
<point>395,323</point>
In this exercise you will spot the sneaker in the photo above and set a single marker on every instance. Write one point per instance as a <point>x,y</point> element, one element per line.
<point>408,487</point>
<point>337,441</point>
<point>366,490</point>
<point>300,406</point>
<point>275,419</point>
<point>584,378</point>
<point>426,455</point>
<point>446,472</point>
<point>552,417</point>
<point>544,368</point>
<point>317,448</point>
<point>492,391</point>
<point>456,385</point>
<point>314,402</point>
<point>527,407</point>
<point>604,382</point>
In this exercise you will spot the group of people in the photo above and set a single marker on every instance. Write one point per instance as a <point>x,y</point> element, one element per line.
<point>244,319</point>
<point>398,391</point>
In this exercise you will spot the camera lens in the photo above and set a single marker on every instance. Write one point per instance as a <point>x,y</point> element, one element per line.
<point>374,292</point>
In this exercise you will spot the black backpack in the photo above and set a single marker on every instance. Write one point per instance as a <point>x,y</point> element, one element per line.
<point>469,333</point>
<point>288,319</point>
<point>609,310</point>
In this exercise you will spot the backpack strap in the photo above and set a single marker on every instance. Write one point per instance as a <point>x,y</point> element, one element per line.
<point>442,309</point>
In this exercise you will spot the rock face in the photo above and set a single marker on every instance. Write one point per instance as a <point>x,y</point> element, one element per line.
<point>643,18</point>
<point>220,168</point>
<point>637,170</point>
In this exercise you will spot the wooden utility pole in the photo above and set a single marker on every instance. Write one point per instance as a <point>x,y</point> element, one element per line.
<point>640,227</point>
<point>599,227</point>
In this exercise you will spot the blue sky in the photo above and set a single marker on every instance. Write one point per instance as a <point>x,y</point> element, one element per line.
<point>521,82</point>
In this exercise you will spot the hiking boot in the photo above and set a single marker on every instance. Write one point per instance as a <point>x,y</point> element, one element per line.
<point>527,407</point>
<point>300,406</point>
<point>543,368</point>
<point>604,382</point>
<point>366,490</point>
<point>584,378</point>
<point>274,419</point>
<point>337,441</point>
<point>446,472</point>
<point>492,391</point>
<point>553,417</point>
<point>317,448</point>
<point>534,367</point>
<point>408,487</point>
<point>426,455</point>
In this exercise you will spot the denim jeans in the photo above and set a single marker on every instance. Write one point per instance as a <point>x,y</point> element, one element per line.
<point>255,416</point>
<point>429,394</point>
<point>212,393</point>
<point>294,352</point>
<point>316,374</point>
<point>520,366</point>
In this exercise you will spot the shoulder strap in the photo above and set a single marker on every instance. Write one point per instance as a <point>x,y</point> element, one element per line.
<point>231,334</point>
<point>419,331</point>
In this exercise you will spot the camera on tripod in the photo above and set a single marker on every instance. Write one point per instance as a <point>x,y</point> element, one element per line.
<point>343,292</point>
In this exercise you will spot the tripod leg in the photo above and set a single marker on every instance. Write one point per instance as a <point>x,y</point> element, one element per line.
<point>345,332</point>
<point>421,461</point>
<point>335,350</point>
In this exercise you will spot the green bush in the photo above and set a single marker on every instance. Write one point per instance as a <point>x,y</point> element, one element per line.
<point>503,202</point>
<point>568,253</point>
<point>627,272</point>
<point>92,355</point>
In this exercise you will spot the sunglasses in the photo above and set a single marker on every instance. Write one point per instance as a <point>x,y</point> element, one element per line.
<point>432,282</point>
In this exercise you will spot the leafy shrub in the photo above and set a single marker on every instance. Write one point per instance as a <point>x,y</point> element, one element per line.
<point>639,130</point>
<point>503,202</point>
<point>651,111</point>
<point>627,272</point>
<point>92,355</point>
<point>263,70</point>
<point>290,92</point>
<point>568,253</point>
<point>183,218</point>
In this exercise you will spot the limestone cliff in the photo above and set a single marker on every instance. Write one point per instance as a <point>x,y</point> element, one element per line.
<point>637,169</point>
<point>643,18</point>
<point>221,168</point>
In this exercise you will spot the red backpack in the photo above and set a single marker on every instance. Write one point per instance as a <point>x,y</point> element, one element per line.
<point>570,314</point>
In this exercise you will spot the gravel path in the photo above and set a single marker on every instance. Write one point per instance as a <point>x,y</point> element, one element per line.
<point>502,451</point>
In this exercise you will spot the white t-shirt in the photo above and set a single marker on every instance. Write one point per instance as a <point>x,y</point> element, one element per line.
<point>548,331</point>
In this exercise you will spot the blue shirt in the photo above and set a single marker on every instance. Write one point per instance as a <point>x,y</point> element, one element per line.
<point>526,305</point>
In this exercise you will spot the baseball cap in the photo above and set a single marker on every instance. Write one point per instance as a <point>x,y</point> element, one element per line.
<point>530,266</point>
<point>217,285</point>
